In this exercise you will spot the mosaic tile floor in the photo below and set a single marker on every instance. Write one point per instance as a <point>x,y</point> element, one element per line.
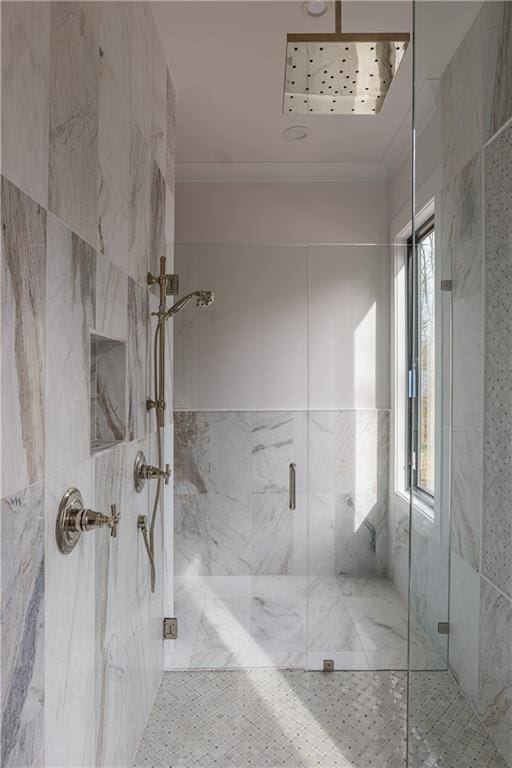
<point>259,718</point>
<point>444,731</point>
<point>276,718</point>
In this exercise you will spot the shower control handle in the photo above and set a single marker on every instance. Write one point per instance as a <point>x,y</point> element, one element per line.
<point>293,486</point>
<point>143,471</point>
<point>74,518</point>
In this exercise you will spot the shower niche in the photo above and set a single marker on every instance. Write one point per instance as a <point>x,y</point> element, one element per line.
<point>108,392</point>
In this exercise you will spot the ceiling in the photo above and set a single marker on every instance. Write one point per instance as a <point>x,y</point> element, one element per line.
<point>228,61</point>
<point>228,64</point>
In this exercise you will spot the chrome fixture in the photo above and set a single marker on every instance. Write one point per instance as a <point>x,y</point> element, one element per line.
<point>168,285</point>
<point>203,299</point>
<point>340,73</point>
<point>170,629</point>
<point>292,478</point>
<point>73,519</point>
<point>143,471</point>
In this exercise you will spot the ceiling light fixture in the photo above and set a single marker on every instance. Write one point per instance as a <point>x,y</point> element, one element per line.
<point>314,8</point>
<point>340,73</point>
<point>296,133</point>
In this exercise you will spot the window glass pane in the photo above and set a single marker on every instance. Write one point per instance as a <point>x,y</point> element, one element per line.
<point>426,363</point>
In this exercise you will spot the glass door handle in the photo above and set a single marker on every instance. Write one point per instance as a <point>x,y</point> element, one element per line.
<point>292,486</point>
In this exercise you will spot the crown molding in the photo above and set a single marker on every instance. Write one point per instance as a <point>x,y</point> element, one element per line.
<point>327,172</point>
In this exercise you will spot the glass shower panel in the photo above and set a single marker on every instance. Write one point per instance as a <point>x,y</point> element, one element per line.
<point>357,614</point>
<point>460,704</point>
<point>240,400</point>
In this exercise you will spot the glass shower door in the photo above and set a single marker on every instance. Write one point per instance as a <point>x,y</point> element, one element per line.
<point>357,616</point>
<point>240,401</point>
<point>460,708</point>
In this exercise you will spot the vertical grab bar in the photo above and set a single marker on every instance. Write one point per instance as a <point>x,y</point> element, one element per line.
<point>292,486</point>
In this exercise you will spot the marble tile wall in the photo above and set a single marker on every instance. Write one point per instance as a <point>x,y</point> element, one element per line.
<point>231,492</point>
<point>234,529</point>
<point>475,239</point>
<point>87,207</point>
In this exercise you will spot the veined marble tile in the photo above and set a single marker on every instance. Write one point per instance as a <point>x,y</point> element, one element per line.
<point>331,626</point>
<point>278,625</point>
<point>111,23</point>
<point>22,532</point>
<point>73,151</point>
<point>111,300</point>
<point>464,625</point>
<point>70,312</point>
<point>223,633</point>
<point>496,666</point>
<point>497,524</point>
<point>361,535</point>
<point>229,528</point>
<point>140,60</point>
<point>322,539</point>
<point>379,625</point>
<point>108,391</point>
<point>113,177</point>
<point>398,559</point>
<point>321,451</point>
<point>387,659</point>
<point>467,361</point>
<point>157,225</point>
<point>278,438</point>
<point>278,536</point>
<point>126,674</point>
<point>462,102</point>
<point>461,228</point>
<point>159,102</point>
<point>139,214</point>
<point>138,357</point>
<point>276,588</point>
<point>212,452</point>
<point>192,543</point>
<point>70,642</point>
<point>497,62</point>
<point>25,94</point>
<point>467,495</point>
<point>23,339</point>
<point>335,587</point>
<point>170,145</point>
<point>361,452</point>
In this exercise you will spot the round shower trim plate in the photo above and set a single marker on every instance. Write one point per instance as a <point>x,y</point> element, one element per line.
<point>296,133</point>
<point>313,9</point>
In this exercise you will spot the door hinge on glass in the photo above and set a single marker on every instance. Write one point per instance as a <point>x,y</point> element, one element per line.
<point>170,629</point>
<point>412,384</point>
<point>443,628</point>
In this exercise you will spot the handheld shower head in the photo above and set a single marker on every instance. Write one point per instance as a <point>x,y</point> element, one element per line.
<point>203,299</point>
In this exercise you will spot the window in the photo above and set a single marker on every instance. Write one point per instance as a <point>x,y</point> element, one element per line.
<point>421,353</point>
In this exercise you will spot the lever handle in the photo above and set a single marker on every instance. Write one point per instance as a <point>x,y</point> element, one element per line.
<point>293,486</point>
<point>114,520</point>
<point>167,474</point>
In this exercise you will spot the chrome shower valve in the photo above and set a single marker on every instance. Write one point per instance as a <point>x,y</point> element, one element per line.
<point>143,471</point>
<point>73,519</point>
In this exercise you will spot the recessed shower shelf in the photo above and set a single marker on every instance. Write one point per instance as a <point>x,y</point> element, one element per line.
<point>108,392</point>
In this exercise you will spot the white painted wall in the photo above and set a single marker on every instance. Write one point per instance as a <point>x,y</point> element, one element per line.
<point>282,212</point>
<point>249,351</point>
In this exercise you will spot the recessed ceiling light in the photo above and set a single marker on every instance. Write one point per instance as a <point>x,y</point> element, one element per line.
<point>314,8</point>
<point>296,133</point>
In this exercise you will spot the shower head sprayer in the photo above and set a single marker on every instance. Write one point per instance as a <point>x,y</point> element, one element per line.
<point>203,299</point>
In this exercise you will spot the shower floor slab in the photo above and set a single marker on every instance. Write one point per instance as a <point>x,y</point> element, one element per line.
<point>243,622</point>
<point>258,718</point>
